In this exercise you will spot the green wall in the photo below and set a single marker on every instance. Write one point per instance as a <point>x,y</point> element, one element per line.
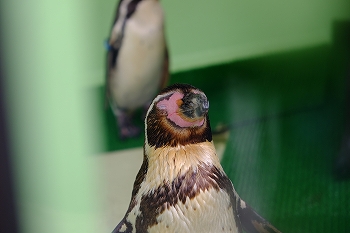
<point>54,54</point>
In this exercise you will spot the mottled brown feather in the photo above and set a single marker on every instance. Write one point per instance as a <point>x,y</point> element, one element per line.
<point>188,185</point>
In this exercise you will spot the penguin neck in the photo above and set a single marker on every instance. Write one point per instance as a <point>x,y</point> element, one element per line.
<point>149,13</point>
<point>165,164</point>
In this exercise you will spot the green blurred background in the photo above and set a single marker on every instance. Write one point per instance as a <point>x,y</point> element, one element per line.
<point>254,59</point>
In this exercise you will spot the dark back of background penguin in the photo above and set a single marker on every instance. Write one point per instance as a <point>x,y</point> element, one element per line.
<point>181,186</point>
<point>137,60</point>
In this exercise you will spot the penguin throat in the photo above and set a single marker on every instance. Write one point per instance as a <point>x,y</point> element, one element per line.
<point>173,111</point>
<point>165,164</point>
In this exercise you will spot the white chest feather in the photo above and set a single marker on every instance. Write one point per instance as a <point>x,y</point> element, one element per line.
<point>210,211</point>
<point>179,196</point>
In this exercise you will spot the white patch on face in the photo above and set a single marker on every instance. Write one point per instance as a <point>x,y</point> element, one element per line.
<point>170,105</point>
<point>151,107</point>
<point>210,211</point>
<point>243,205</point>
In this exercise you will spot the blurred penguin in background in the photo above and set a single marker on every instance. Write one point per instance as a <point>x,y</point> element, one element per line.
<point>137,61</point>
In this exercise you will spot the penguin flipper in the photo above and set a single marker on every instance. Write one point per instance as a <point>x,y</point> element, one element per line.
<point>123,227</point>
<point>252,222</point>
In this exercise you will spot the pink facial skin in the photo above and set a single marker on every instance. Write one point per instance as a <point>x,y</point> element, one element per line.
<point>172,109</point>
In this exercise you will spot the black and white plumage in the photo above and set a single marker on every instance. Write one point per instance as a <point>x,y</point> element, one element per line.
<point>181,186</point>
<point>137,60</point>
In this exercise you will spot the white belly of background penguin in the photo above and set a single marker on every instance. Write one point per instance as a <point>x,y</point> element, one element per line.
<point>137,60</point>
<point>181,186</point>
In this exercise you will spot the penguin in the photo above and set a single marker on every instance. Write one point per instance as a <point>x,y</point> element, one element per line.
<point>181,185</point>
<point>137,61</point>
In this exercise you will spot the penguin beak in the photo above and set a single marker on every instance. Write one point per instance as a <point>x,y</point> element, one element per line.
<point>201,105</point>
<point>194,105</point>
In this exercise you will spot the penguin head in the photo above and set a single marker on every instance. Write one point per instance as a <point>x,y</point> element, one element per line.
<point>178,116</point>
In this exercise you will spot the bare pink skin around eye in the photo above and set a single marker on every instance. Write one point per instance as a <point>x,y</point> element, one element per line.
<point>171,107</point>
